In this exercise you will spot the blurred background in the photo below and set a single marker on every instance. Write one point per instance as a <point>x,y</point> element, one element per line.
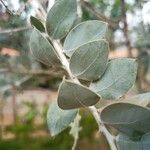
<point>27,87</point>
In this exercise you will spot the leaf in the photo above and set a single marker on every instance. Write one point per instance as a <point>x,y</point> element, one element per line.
<point>141,99</point>
<point>125,143</point>
<point>83,33</point>
<point>58,119</point>
<point>118,78</point>
<point>146,141</point>
<point>37,24</point>
<point>42,50</point>
<point>130,119</point>
<point>72,95</point>
<point>61,18</point>
<point>89,61</point>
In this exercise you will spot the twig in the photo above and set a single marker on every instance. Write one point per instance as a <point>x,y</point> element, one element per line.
<point>14,104</point>
<point>89,7</point>
<point>92,109</point>
<point>8,10</point>
<point>2,126</point>
<point>63,59</point>
<point>18,12</point>
<point>15,30</point>
<point>65,63</point>
<point>103,129</point>
<point>50,73</point>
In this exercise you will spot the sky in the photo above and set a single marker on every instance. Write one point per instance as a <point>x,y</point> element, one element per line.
<point>146,12</point>
<point>133,20</point>
<point>130,18</point>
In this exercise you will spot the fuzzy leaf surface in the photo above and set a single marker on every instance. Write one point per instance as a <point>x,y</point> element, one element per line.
<point>118,78</point>
<point>83,33</point>
<point>61,18</point>
<point>58,119</point>
<point>89,61</point>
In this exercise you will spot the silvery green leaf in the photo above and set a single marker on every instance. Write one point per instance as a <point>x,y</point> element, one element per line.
<point>146,141</point>
<point>61,18</point>
<point>140,99</point>
<point>89,61</point>
<point>72,95</point>
<point>130,119</point>
<point>42,50</point>
<point>58,119</point>
<point>118,78</point>
<point>83,33</point>
<point>37,24</point>
<point>125,143</point>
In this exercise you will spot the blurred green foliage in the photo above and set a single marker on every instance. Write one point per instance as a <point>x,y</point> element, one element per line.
<point>89,138</point>
<point>19,41</point>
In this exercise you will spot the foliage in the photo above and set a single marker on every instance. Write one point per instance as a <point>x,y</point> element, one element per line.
<point>124,142</point>
<point>61,120</point>
<point>114,83</point>
<point>90,31</point>
<point>61,18</point>
<point>87,49</point>
<point>72,95</point>
<point>61,142</point>
<point>37,24</point>
<point>46,53</point>
<point>92,76</point>
<point>25,124</point>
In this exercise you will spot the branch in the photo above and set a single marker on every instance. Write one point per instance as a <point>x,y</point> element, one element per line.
<point>8,10</point>
<point>92,109</point>
<point>89,7</point>
<point>15,30</point>
<point>50,73</point>
<point>58,47</point>
<point>103,129</point>
<point>19,11</point>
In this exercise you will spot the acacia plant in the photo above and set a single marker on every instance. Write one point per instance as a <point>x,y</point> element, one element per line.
<point>84,55</point>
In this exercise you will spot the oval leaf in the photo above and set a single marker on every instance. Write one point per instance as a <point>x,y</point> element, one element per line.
<point>42,50</point>
<point>61,18</point>
<point>125,143</point>
<point>72,95</point>
<point>37,24</point>
<point>58,119</point>
<point>89,61</point>
<point>141,99</point>
<point>133,120</point>
<point>118,78</point>
<point>83,33</point>
<point>146,141</point>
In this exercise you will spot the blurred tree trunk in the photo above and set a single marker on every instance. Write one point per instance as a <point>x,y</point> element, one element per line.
<point>125,28</point>
<point>1,119</point>
<point>14,104</point>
